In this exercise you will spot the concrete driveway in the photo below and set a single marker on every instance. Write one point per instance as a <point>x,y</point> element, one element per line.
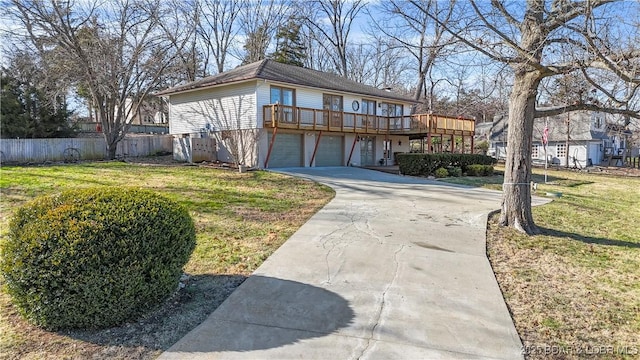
<point>393,268</point>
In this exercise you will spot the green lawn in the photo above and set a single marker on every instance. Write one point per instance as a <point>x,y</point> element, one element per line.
<point>576,286</point>
<point>240,220</point>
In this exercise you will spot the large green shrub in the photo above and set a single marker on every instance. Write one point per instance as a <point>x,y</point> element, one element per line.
<point>454,171</point>
<point>441,172</point>
<point>96,257</point>
<point>426,164</point>
<point>479,170</point>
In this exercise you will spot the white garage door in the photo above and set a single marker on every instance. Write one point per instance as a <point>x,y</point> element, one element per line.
<point>330,151</point>
<point>287,151</point>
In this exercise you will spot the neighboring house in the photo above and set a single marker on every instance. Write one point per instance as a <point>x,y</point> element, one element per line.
<point>267,114</point>
<point>150,112</point>
<point>578,139</point>
<point>151,118</point>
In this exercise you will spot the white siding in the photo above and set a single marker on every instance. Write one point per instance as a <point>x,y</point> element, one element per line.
<point>263,97</point>
<point>579,152</point>
<point>595,152</point>
<point>222,108</point>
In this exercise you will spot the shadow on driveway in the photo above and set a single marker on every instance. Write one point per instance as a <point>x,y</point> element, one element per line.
<point>265,313</point>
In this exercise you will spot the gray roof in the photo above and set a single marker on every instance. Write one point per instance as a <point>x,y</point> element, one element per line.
<point>275,71</point>
<point>580,128</point>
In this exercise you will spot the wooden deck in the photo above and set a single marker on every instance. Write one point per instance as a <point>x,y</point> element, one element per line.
<point>292,117</point>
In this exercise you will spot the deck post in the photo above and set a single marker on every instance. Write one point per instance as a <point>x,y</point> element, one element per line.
<point>386,143</point>
<point>355,139</point>
<point>315,119</point>
<point>472,144</point>
<point>453,143</point>
<point>315,149</point>
<point>429,142</point>
<point>273,140</point>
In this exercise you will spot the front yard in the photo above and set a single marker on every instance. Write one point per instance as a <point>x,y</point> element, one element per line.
<point>573,291</point>
<point>240,220</point>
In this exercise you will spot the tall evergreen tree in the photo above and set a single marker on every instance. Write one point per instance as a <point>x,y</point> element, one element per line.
<point>256,45</point>
<point>27,112</point>
<point>290,48</point>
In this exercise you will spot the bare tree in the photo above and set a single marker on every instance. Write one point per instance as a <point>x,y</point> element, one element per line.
<point>379,63</point>
<point>316,57</point>
<point>114,50</point>
<point>217,29</point>
<point>180,24</point>
<point>260,21</point>
<point>411,27</point>
<point>333,27</point>
<point>541,39</point>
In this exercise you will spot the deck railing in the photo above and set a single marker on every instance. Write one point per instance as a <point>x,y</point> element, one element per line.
<point>293,117</point>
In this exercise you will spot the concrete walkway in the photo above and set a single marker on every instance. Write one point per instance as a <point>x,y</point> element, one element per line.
<point>393,268</point>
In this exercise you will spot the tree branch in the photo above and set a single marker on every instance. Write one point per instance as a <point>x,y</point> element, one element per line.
<point>552,111</point>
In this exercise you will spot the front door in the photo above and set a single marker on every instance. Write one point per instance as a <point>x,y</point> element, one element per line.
<point>367,150</point>
<point>332,106</point>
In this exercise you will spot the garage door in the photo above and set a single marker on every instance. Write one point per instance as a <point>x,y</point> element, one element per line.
<point>330,151</point>
<point>287,151</point>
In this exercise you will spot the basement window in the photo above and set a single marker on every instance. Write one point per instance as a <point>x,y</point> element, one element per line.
<point>535,153</point>
<point>561,150</point>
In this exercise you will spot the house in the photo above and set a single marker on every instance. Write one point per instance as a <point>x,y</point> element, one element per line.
<point>267,114</point>
<point>575,139</point>
<point>150,118</point>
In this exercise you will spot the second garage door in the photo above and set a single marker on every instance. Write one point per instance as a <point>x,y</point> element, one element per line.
<point>330,151</point>
<point>287,151</point>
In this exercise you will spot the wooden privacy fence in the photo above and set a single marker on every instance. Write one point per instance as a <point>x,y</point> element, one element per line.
<point>22,151</point>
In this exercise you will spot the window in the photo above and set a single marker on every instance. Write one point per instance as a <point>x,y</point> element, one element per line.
<point>561,150</point>
<point>332,102</point>
<point>286,97</point>
<point>394,112</point>
<point>282,96</point>
<point>368,107</point>
<point>534,152</point>
<point>392,109</point>
<point>597,123</point>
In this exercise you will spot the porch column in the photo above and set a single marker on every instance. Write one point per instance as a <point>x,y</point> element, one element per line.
<point>429,150</point>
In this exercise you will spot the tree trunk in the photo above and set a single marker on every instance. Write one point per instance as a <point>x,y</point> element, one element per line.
<point>111,150</point>
<point>516,201</point>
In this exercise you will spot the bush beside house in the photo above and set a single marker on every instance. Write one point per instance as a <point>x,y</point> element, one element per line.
<point>95,258</point>
<point>427,164</point>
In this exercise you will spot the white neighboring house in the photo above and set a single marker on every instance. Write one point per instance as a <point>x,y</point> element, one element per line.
<point>267,114</point>
<point>584,138</point>
<point>585,132</point>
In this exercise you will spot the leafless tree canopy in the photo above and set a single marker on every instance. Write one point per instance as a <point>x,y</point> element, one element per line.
<point>331,27</point>
<point>460,57</point>
<point>539,40</point>
<point>112,50</point>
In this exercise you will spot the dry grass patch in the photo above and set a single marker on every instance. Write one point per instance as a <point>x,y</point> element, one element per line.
<point>574,291</point>
<point>240,220</point>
